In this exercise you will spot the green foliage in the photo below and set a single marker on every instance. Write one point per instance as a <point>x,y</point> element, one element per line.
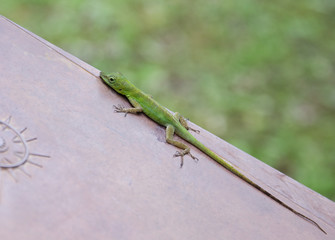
<point>260,74</point>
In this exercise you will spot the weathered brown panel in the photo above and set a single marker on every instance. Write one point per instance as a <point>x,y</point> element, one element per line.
<point>110,177</point>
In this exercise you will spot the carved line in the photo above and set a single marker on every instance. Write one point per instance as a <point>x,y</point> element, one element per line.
<point>26,154</point>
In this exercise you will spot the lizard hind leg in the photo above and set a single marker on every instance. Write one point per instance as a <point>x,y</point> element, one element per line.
<point>183,122</point>
<point>185,149</point>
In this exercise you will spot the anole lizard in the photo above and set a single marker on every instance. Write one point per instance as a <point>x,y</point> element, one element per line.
<point>176,124</point>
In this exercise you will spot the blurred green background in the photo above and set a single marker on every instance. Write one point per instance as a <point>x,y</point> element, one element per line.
<point>259,74</point>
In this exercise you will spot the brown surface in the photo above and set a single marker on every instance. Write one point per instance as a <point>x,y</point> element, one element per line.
<point>110,177</point>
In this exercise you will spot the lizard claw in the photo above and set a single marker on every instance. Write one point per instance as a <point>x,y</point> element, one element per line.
<point>194,130</point>
<point>194,158</point>
<point>119,109</point>
<point>181,155</point>
<point>178,154</point>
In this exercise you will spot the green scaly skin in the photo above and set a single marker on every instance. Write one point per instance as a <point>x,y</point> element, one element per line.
<point>175,124</point>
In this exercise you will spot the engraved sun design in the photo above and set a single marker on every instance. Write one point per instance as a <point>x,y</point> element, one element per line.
<point>14,150</point>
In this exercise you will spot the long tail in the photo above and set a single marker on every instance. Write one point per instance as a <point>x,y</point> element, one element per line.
<point>234,170</point>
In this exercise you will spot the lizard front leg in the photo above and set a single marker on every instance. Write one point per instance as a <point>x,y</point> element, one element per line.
<point>184,147</point>
<point>136,109</point>
<point>183,122</point>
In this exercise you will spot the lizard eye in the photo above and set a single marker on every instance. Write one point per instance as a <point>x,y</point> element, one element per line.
<point>112,78</point>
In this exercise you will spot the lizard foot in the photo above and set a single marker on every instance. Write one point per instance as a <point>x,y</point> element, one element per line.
<point>181,154</point>
<point>119,109</point>
<point>194,130</point>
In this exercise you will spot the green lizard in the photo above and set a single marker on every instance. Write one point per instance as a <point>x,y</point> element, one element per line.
<point>175,124</point>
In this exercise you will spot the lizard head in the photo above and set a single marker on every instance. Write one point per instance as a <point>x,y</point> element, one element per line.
<point>118,82</point>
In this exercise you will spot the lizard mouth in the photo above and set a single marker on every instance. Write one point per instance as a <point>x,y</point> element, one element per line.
<point>104,77</point>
